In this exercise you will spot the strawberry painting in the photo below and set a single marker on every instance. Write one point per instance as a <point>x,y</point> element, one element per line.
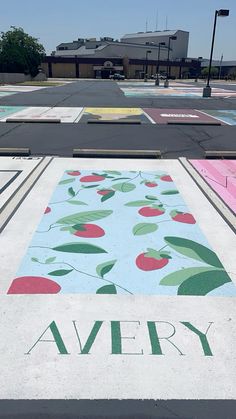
<point>88,230</point>
<point>119,232</point>
<point>154,211</point>
<point>151,184</point>
<point>182,217</point>
<point>152,260</point>
<point>92,178</point>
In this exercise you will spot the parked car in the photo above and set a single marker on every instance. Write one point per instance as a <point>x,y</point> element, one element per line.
<point>161,76</point>
<point>117,76</point>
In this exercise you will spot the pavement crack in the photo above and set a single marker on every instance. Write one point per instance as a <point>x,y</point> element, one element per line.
<point>10,130</point>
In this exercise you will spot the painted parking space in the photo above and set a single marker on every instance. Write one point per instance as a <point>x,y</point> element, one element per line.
<point>65,114</point>
<point>153,92</point>
<point>57,339</point>
<point>178,91</point>
<point>221,176</point>
<point>21,89</point>
<point>13,172</point>
<point>3,94</point>
<point>7,177</point>
<point>114,114</point>
<point>31,112</point>
<point>6,111</point>
<point>227,116</point>
<point>144,115</point>
<point>164,116</point>
<point>101,199</point>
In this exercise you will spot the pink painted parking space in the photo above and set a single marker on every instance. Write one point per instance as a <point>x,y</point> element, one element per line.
<point>221,176</point>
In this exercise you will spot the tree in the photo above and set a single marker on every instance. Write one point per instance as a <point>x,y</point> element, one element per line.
<point>20,52</point>
<point>214,71</point>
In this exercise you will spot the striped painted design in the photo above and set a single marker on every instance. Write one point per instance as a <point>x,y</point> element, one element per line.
<point>221,176</point>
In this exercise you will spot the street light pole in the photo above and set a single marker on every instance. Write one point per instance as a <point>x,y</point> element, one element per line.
<point>221,59</point>
<point>159,51</point>
<point>158,62</point>
<point>222,13</point>
<point>171,38</point>
<point>146,67</point>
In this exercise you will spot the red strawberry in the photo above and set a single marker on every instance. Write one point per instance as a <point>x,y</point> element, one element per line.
<point>151,184</point>
<point>88,231</point>
<point>182,217</point>
<point>104,191</point>
<point>74,173</point>
<point>33,285</point>
<point>166,178</point>
<point>151,212</point>
<point>152,260</point>
<point>92,178</point>
<point>47,210</point>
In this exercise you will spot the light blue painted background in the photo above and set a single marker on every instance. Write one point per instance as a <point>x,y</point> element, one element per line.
<point>119,241</point>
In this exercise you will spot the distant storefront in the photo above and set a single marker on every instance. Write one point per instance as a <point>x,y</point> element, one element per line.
<point>82,67</point>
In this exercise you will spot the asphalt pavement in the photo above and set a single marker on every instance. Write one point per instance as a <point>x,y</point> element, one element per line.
<point>61,139</point>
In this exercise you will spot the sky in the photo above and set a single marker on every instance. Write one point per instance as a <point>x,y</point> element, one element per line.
<point>59,21</point>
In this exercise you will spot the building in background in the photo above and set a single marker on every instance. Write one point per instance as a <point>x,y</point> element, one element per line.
<point>179,47</point>
<point>134,56</point>
<point>226,69</point>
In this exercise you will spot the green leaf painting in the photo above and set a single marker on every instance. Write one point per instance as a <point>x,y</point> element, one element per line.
<point>124,187</point>
<point>193,250</point>
<point>61,272</point>
<point>113,172</point>
<point>84,217</point>
<point>107,289</point>
<point>108,196</point>
<point>151,198</point>
<point>204,282</point>
<point>89,186</point>
<point>170,192</point>
<point>120,178</point>
<point>77,202</point>
<point>177,278</point>
<point>71,192</point>
<point>50,260</point>
<point>66,181</point>
<point>138,203</point>
<point>79,248</point>
<point>144,228</point>
<point>104,268</point>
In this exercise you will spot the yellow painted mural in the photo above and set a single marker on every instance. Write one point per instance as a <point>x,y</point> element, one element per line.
<point>114,114</point>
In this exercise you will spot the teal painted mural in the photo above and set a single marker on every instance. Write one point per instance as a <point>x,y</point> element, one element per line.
<point>228,116</point>
<point>112,232</point>
<point>7,93</point>
<point>6,111</point>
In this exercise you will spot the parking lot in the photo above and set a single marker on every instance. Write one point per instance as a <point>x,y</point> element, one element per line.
<point>118,269</point>
<point>188,140</point>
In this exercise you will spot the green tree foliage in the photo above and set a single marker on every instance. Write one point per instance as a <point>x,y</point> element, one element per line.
<point>214,71</point>
<point>20,52</point>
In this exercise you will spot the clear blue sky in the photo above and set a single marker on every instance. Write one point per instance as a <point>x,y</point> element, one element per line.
<point>59,21</point>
